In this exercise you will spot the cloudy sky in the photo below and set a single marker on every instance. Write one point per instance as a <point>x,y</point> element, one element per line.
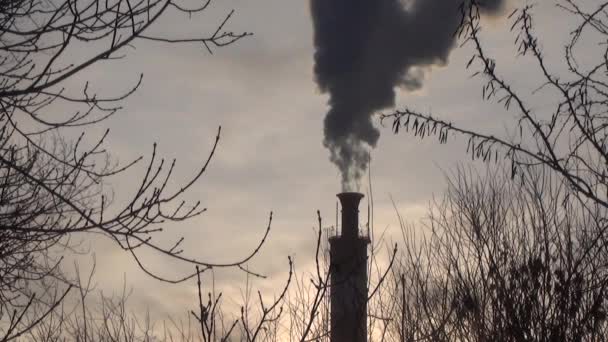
<point>262,92</point>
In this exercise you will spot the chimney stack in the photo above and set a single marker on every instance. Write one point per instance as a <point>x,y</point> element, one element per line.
<point>350,213</point>
<point>348,253</point>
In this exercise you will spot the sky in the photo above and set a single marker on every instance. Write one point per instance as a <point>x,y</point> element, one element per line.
<point>262,91</point>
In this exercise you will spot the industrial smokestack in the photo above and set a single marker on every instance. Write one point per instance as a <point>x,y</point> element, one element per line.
<point>350,213</point>
<point>364,49</point>
<point>348,268</point>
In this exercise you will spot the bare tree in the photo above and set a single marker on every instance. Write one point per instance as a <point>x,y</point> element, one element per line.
<point>504,260</point>
<point>99,317</point>
<point>50,183</point>
<point>256,322</point>
<point>570,138</point>
<point>521,259</point>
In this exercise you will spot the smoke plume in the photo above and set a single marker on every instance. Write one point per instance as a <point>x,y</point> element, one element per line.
<point>364,50</point>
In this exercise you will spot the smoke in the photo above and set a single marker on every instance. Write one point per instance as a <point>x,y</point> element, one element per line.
<point>364,50</point>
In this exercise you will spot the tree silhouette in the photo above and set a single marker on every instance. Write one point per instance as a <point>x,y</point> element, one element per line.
<point>504,260</point>
<point>571,137</point>
<point>521,256</point>
<point>51,185</point>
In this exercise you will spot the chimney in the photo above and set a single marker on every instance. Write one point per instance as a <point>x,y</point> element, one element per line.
<point>350,213</point>
<point>348,288</point>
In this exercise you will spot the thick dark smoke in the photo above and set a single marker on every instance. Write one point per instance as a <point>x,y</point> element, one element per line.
<point>364,50</point>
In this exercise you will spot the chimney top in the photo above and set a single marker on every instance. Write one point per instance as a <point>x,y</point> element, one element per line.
<point>350,195</point>
<point>350,213</point>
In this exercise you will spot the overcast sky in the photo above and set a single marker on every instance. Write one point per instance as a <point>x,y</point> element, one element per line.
<point>271,157</point>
